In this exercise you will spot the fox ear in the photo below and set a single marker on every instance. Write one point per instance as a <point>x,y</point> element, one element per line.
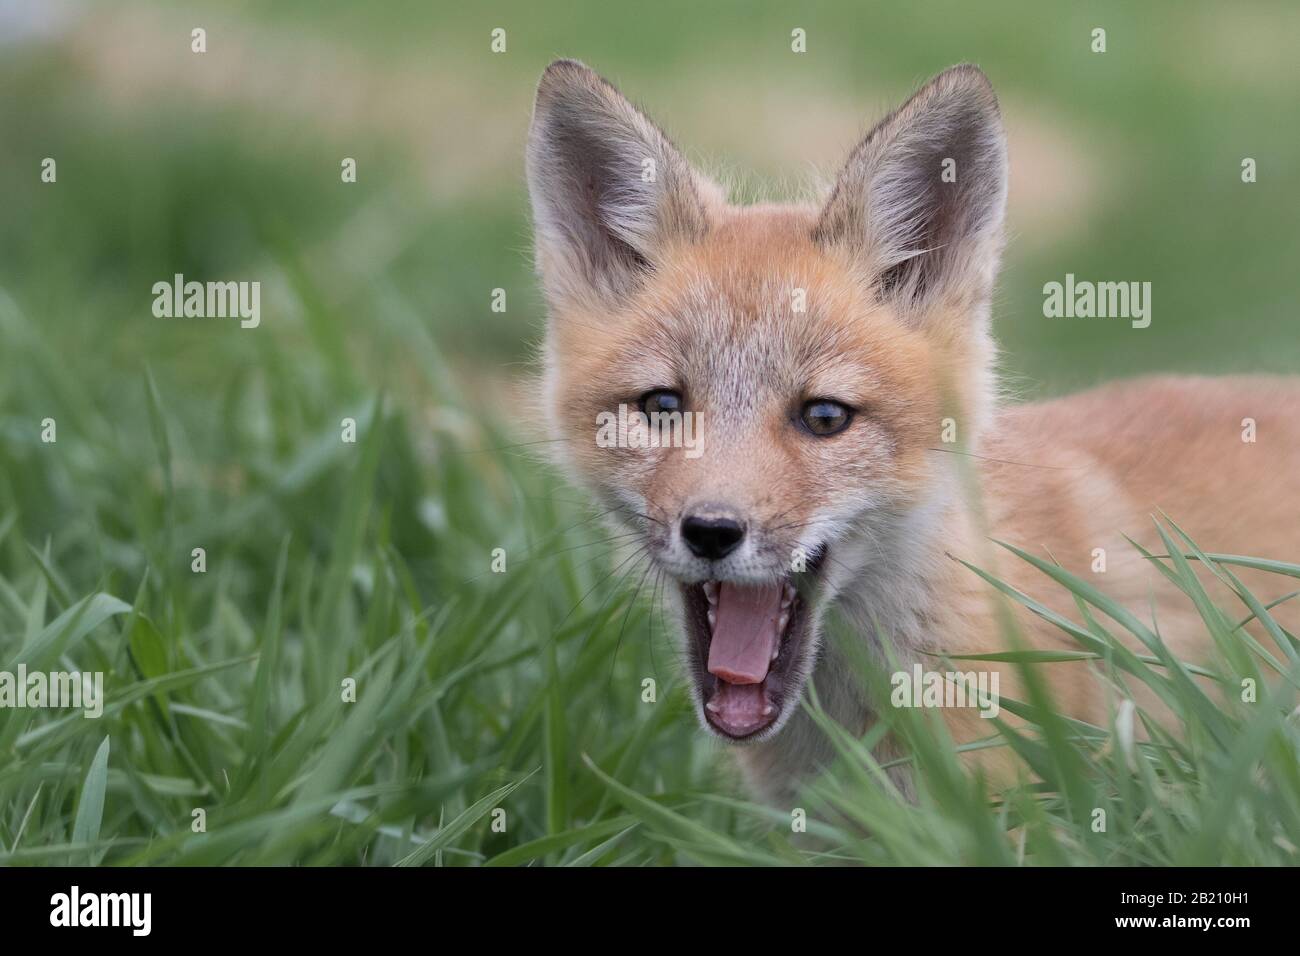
<point>919,205</point>
<point>608,189</point>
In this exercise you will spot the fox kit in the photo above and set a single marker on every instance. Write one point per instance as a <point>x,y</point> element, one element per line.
<point>824,350</point>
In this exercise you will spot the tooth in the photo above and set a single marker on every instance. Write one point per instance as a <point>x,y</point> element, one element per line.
<point>768,710</point>
<point>711,591</point>
<point>787,595</point>
<point>713,618</point>
<point>713,707</point>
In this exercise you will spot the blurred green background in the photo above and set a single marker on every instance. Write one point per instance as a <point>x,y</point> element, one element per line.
<point>1125,166</point>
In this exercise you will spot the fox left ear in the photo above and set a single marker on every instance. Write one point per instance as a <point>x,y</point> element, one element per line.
<point>919,205</point>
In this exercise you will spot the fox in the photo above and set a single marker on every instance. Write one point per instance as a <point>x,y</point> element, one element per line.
<point>824,347</point>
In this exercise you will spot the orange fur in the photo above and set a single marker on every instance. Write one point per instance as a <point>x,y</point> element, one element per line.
<point>664,285</point>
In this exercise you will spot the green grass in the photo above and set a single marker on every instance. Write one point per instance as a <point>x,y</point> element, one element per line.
<point>522,690</point>
<point>372,561</point>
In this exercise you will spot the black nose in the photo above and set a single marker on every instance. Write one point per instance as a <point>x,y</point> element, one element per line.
<point>712,538</point>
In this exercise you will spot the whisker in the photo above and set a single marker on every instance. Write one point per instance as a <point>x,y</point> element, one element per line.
<point>618,645</point>
<point>650,622</point>
<point>641,552</point>
<point>792,524</point>
<point>1004,461</point>
<point>587,594</point>
<point>534,556</point>
<point>591,504</point>
<point>524,444</point>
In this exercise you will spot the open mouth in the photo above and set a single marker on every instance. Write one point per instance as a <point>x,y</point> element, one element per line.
<point>745,640</point>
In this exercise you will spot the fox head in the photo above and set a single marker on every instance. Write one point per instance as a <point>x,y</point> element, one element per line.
<point>819,353</point>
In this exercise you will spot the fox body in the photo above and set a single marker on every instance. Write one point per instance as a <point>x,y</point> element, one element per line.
<point>839,360</point>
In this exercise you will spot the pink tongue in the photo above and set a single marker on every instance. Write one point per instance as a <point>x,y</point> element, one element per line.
<point>745,632</point>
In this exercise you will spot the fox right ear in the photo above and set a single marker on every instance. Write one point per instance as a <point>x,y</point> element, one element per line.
<point>920,202</point>
<point>608,189</point>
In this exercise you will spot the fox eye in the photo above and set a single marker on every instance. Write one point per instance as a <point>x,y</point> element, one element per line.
<point>661,400</point>
<point>823,417</point>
